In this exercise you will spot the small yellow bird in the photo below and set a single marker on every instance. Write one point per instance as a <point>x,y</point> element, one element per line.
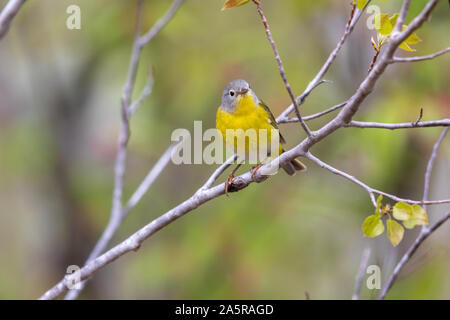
<point>241,109</point>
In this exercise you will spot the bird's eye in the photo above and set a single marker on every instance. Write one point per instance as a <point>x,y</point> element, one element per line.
<point>232,93</point>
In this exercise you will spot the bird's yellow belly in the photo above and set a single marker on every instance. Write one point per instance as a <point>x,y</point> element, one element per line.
<point>249,126</point>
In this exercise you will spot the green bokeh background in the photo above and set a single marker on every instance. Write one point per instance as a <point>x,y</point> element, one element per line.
<point>60,95</point>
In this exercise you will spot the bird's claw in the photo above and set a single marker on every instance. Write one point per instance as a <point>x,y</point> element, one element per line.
<point>254,169</point>
<point>228,182</point>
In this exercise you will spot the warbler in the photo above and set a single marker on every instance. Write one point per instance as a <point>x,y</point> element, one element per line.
<point>242,109</point>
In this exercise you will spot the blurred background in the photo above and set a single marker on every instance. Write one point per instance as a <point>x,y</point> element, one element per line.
<point>60,96</point>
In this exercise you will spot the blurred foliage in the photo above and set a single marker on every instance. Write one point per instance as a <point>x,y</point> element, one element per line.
<point>60,91</point>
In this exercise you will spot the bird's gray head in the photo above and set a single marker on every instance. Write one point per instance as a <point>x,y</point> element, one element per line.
<point>233,92</point>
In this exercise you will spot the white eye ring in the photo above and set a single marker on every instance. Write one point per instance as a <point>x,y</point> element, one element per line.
<point>231,93</point>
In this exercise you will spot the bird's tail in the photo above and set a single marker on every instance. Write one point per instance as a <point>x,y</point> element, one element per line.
<point>293,166</point>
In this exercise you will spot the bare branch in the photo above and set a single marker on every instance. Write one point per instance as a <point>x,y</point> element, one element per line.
<point>398,37</point>
<point>150,178</point>
<point>322,164</point>
<point>394,126</point>
<point>319,76</point>
<point>118,212</point>
<point>425,231</point>
<point>402,16</point>
<point>144,94</point>
<point>7,15</point>
<point>218,172</point>
<point>424,234</point>
<point>426,185</point>
<point>361,272</point>
<point>371,191</point>
<point>422,58</point>
<point>315,115</point>
<point>281,67</point>
<point>146,38</point>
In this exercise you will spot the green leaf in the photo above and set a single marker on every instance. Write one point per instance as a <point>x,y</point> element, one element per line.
<point>406,47</point>
<point>410,215</point>
<point>373,226</point>
<point>383,24</point>
<point>402,211</point>
<point>360,4</point>
<point>393,20</point>
<point>409,224</point>
<point>394,232</point>
<point>419,217</point>
<point>379,204</point>
<point>234,3</point>
<point>412,39</point>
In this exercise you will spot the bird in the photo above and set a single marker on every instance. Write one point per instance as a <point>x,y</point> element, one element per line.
<point>242,109</point>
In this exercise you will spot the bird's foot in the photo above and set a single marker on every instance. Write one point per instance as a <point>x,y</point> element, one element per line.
<point>254,169</point>
<point>228,183</point>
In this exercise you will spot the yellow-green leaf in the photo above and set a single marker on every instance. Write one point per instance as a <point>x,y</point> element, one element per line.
<point>383,24</point>
<point>393,20</point>
<point>419,214</point>
<point>418,217</point>
<point>402,211</point>
<point>405,47</point>
<point>360,4</point>
<point>379,203</point>
<point>409,224</point>
<point>412,39</point>
<point>394,232</point>
<point>373,226</point>
<point>234,3</point>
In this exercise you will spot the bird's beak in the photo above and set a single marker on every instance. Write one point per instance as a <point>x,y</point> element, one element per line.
<point>243,91</point>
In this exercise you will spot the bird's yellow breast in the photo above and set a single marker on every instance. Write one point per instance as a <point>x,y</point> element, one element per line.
<point>246,115</point>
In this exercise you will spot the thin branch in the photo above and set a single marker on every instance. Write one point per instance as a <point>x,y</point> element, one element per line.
<point>402,16</point>
<point>424,234</point>
<point>161,23</point>
<point>345,175</point>
<point>371,191</point>
<point>422,58</point>
<point>398,37</point>
<point>281,67</point>
<point>326,66</point>
<point>118,212</point>
<point>7,15</point>
<point>394,126</point>
<point>361,272</point>
<point>315,115</point>
<point>426,185</point>
<point>218,172</point>
<point>149,179</point>
<point>144,94</point>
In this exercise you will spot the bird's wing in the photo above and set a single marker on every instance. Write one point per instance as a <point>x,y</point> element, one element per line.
<point>272,120</point>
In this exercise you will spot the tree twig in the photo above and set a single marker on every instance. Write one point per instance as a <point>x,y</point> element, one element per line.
<point>395,126</point>
<point>424,234</point>
<point>361,272</point>
<point>315,115</point>
<point>281,67</point>
<point>422,58</point>
<point>118,212</point>
<point>7,15</point>
<point>425,231</point>
<point>371,191</point>
<point>430,164</point>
